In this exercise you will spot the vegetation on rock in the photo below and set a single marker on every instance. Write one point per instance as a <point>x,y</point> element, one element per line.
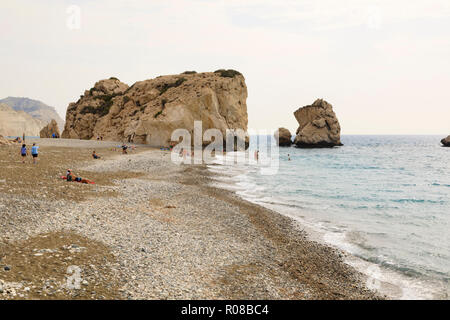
<point>166,86</point>
<point>157,114</point>
<point>230,73</point>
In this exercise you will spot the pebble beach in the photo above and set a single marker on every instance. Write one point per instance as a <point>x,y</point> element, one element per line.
<point>149,229</point>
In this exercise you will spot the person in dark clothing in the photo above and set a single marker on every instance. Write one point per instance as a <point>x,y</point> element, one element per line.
<point>71,177</point>
<point>24,152</point>
<point>95,156</point>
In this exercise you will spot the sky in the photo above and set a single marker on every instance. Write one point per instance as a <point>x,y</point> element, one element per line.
<point>384,65</point>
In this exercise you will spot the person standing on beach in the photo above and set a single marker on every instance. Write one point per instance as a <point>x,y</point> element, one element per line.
<point>257,155</point>
<point>23,152</point>
<point>34,152</point>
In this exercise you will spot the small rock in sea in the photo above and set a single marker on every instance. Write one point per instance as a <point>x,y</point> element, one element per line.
<point>446,142</point>
<point>283,137</point>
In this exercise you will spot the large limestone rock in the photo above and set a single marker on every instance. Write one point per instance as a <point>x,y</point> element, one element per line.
<point>446,141</point>
<point>284,137</point>
<point>149,111</point>
<point>49,130</point>
<point>17,123</point>
<point>318,126</point>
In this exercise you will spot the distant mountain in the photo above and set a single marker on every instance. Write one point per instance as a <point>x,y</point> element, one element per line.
<point>34,108</point>
<point>17,123</point>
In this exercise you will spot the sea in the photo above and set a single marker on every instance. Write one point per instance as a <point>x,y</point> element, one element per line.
<point>385,200</point>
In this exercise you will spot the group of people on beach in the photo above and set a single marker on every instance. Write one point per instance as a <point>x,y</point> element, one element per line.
<point>24,152</point>
<point>34,152</point>
<point>124,148</point>
<point>71,177</point>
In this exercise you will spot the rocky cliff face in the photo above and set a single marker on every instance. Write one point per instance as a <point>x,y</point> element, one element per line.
<point>446,142</point>
<point>49,130</point>
<point>34,108</point>
<point>283,136</point>
<point>149,111</point>
<point>318,126</point>
<point>16,123</point>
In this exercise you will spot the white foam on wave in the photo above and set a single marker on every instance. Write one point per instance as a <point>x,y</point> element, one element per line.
<point>394,284</point>
<point>387,282</point>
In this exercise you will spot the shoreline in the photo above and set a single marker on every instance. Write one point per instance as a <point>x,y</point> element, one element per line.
<point>387,281</point>
<point>289,231</point>
<point>166,232</point>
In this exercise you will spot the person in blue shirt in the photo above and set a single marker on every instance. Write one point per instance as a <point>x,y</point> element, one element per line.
<point>34,152</point>
<point>24,152</point>
<point>95,156</point>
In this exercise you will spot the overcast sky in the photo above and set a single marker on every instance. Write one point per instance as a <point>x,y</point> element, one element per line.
<point>383,65</point>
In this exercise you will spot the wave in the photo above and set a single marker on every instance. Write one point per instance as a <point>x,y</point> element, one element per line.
<point>368,203</point>
<point>440,185</point>
<point>419,201</point>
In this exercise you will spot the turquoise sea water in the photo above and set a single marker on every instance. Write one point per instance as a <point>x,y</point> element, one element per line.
<point>384,199</point>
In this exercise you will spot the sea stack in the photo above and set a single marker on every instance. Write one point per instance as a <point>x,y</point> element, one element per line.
<point>446,142</point>
<point>318,126</point>
<point>49,130</point>
<point>283,137</point>
<point>149,111</point>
